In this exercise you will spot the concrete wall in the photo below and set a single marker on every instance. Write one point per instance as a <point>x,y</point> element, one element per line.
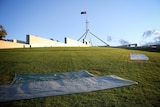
<point>36,41</point>
<point>74,43</point>
<point>8,44</point>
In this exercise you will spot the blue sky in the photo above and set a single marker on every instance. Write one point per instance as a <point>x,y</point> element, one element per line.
<point>114,21</point>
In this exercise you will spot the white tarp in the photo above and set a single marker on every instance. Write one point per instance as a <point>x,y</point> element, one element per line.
<point>23,78</point>
<point>134,56</point>
<point>37,89</point>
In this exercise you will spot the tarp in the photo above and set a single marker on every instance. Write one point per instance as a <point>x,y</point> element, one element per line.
<point>37,89</point>
<point>134,56</point>
<point>23,78</point>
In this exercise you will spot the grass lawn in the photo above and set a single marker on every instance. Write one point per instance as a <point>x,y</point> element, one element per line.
<point>107,61</point>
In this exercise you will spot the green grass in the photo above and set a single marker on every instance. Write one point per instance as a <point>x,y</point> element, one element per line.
<point>108,61</point>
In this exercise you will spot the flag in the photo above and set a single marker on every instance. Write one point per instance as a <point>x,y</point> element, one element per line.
<point>83,12</point>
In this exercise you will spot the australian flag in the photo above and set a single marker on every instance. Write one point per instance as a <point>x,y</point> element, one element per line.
<point>83,12</point>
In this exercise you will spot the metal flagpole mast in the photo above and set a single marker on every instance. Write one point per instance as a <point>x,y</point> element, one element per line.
<point>83,12</point>
<point>87,33</point>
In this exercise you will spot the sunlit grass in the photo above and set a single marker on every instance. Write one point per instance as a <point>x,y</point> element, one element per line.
<point>107,61</point>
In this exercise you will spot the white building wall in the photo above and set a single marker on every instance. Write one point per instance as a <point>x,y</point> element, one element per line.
<point>74,43</point>
<point>36,41</point>
<point>9,44</point>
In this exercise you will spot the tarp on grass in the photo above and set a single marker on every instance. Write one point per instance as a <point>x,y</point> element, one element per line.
<point>142,57</point>
<point>38,89</point>
<point>23,78</point>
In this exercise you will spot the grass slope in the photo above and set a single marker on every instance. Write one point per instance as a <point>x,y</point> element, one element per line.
<point>106,61</point>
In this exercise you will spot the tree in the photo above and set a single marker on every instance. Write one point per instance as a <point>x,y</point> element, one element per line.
<point>3,32</point>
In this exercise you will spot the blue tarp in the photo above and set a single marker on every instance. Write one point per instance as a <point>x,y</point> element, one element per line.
<point>134,56</point>
<point>36,89</point>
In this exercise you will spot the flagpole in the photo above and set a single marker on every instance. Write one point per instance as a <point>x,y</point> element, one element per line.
<point>88,33</point>
<point>87,30</point>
